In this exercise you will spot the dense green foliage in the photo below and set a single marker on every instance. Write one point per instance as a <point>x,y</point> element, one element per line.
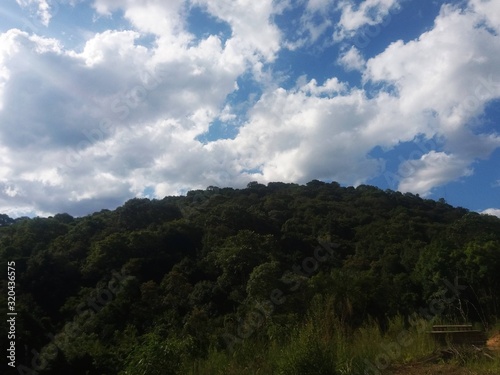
<point>174,285</point>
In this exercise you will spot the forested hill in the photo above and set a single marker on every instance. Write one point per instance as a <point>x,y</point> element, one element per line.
<point>178,279</point>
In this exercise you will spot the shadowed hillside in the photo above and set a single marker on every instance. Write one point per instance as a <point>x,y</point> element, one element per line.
<point>294,279</point>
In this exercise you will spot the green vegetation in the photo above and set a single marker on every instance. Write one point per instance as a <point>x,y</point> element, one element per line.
<point>276,279</point>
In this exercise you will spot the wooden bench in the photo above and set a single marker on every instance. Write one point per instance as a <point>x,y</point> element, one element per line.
<point>458,335</point>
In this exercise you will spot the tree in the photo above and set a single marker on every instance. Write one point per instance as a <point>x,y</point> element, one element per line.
<point>157,355</point>
<point>5,220</point>
<point>239,255</point>
<point>263,280</point>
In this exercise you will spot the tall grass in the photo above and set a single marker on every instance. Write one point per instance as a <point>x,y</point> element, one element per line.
<point>321,344</point>
<point>486,361</point>
<point>489,364</point>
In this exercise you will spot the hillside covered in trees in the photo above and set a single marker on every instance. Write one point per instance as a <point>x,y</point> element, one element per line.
<point>220,279</point>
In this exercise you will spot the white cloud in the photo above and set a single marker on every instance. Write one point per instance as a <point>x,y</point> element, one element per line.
<point>251,25</point>
<point>369,12</point>
<point>331,86</point>
<point>450,73</point>
<point>311,132</point>
<point>115,118</point>
<point>455,58</point>
<point>352,60</point>
<point>342,19</point>
<point>432,170</point>
<point>42,9</point>
<point>69,98</point>
<point>492,211</point>
<point>318,5</point>
<point>317,19</point>
<point>489,10</point>
<point>162,18</point>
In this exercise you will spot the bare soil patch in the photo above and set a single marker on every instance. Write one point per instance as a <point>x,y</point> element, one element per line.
<point>493,342</point>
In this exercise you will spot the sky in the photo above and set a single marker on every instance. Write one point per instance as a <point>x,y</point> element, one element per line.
<point>105,100</point>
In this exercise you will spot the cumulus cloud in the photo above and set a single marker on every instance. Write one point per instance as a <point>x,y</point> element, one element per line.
<point>116,118</point>
<point>316,19</point>
<point>453,58</point>
<point>352,60</point>
<point>72,94</point>
<point>354,16</point>
<point>343,19</point>
<point>489,11</point>
<point>161,18</point>
<point>432,170</point>
<point>310,131</point>
<point>251,24</point>
<point>449,72</point>
<point>89,128</point>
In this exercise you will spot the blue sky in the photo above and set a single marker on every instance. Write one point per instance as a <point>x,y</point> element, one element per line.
<point>105,100</point>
